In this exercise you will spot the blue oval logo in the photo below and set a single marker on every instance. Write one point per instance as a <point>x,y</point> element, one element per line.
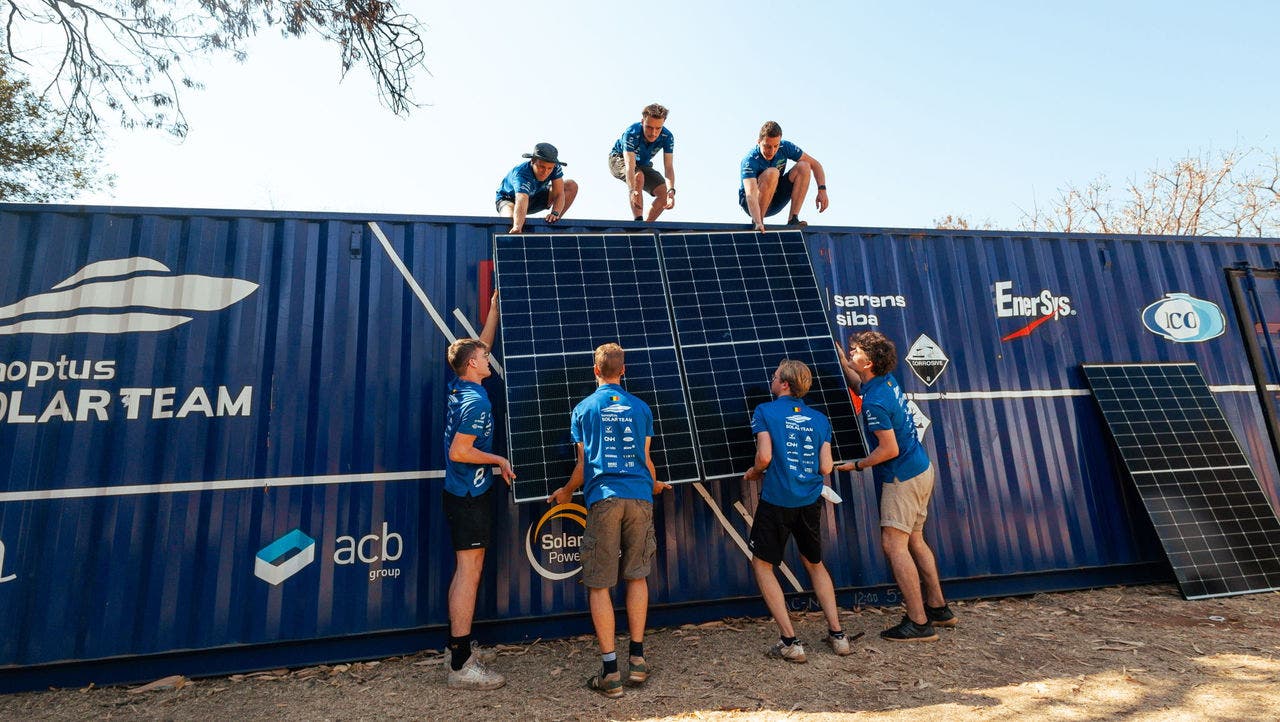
<point>1184,318</point>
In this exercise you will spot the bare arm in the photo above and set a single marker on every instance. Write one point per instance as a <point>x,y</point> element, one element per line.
<point>751,190</point>
<point>669,168</point>
<point>850,374</point>
<point>658,486</point>
<point>819,175</point>
<point>886,451</point>
<point>764,457</point>
<point>518,212</point>
<point>556,200</point>
<point>490,330</point>
<point>825,462</point>
<point>463,450</point>
<point>565,493</point>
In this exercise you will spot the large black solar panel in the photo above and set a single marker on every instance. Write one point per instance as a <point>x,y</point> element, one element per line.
<point>562,296</point>
<point>1216,525</point>
<point>742,303</point>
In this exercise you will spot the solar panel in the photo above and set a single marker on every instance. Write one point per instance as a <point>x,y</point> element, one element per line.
<point>561,297</point>
<point>743,302</point>
<point>1220,533</point>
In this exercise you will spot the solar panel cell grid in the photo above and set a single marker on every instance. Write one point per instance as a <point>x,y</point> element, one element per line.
<point>1217,528</point>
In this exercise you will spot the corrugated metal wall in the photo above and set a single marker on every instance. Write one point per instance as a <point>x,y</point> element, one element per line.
<point>345,372</point>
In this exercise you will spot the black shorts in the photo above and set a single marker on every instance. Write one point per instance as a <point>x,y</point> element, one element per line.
<point>470,519</point>
<point>773,524</point>
<point>539,201</point>
<point>781,197</point>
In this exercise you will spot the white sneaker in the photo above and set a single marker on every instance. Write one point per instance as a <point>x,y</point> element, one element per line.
<point>488,655</point>
<point>840,645</point>
<point>789,652</point>
<point>475,675</point>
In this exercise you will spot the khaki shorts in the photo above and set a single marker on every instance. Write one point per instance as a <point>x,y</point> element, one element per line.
<point>652,178</point>
<point>617,526</point>
<point>905,504</point>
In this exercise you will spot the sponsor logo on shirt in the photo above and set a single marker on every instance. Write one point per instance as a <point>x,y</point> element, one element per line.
<point>798,418</point>
<point>615,409</point>
<point>1183,318</point>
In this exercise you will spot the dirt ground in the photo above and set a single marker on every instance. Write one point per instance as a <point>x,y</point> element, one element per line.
<point>1118,653</point>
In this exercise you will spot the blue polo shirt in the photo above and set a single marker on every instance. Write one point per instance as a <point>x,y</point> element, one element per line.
<point>469,413</point>
<point>633,141</point>
<point>755,164</point>
<point>884,407</point>
<point>522,180</point>
<point>797,432</point>
<point>612,426</point>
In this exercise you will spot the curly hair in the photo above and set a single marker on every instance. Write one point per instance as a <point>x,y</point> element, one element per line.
<point>879,350</point>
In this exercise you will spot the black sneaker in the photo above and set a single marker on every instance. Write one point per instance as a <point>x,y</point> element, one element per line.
<point>940,616</point>
<point>909,631</point>
<point>795,222</point>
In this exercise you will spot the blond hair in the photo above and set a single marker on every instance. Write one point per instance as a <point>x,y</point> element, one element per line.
<point>461,351</point>
<point>609,360</point>
<point>796,375</point>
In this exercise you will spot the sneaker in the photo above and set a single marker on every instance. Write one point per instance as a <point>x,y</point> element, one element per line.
<point>609,685</point>
<point>789,652</point>
<point>488,655</point>
<point>909,631</point>
<point>940,616</point>
<point>637,671</point>
<point>795,222</point>
<point>475,675</point>
<point>839,645</point>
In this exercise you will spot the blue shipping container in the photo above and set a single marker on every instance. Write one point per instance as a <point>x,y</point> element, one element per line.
<point>222,431</point>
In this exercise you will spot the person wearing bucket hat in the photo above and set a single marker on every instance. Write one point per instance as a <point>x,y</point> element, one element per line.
<point>534,186</point>
<point>767,186</point>
<point>631,161</point>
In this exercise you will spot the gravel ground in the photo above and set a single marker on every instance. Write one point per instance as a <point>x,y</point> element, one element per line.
<point>1118,653</point>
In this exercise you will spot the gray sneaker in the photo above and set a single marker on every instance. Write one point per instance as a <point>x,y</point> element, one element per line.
<point>840,645</point>
<point>475,675</point>
<point>488,655</point>
<point>789,652</point>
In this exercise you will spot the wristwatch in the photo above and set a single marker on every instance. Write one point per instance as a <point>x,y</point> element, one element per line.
<point>857,464</point>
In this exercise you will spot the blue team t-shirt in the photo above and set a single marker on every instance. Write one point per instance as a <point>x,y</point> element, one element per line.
<point>884,407</point>
<point>522,180</point>
<point>633,141</point>
<point>755,164</point>
<point>797,433</point>
<point>469,413</point>
<point>612,426</point>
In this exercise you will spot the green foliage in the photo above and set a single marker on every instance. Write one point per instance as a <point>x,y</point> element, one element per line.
<point>42,158</point>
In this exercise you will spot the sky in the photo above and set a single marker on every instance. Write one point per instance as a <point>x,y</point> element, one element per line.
<point>916,110</point>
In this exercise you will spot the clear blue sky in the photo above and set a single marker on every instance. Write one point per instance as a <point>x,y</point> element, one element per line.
<point>916,110</point>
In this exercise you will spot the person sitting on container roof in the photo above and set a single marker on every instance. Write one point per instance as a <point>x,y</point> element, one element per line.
<point>904,477</point>
<point>767,186</point>
<point>612,431</point>
<point>536,186</point>
<point>631,161</point>
<point>468,501</point>
<point>793,454</point>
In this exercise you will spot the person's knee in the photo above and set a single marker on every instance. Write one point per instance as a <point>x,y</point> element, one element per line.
<point>802,170</point>
<point>893,540</point>
<point>769,178</point>
<point>571,187</point>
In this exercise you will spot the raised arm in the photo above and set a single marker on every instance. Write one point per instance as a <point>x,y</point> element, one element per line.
<point>490,330</point>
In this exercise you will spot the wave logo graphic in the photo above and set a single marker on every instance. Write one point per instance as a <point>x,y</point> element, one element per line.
<point>284,557</point>
<point>561,550</point>
<point>93,299</point>
<point>615,409</point>
<point>1184,318</point>
<point>798,418</point>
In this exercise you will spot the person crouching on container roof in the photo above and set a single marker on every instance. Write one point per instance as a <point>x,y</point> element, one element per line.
<point>612,431</point>
<point>536,186</point>
<point>904,477</point>
<point>767,186</point>
<point>793,454</point>
<point>468,499</point>
<point>631,161</point>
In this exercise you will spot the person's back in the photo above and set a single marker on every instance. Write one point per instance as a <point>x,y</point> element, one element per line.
<point>613,426</point>
<point>796,433</point>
